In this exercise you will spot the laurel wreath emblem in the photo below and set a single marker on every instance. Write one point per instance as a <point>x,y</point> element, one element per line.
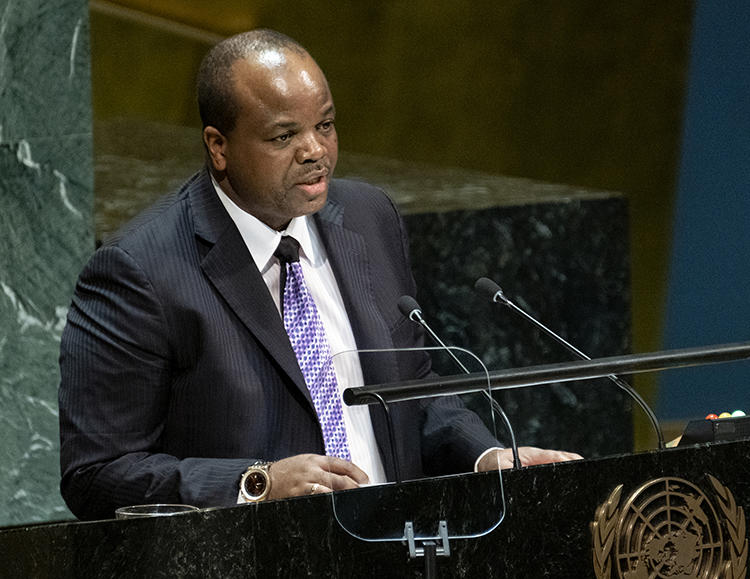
<point>736,566</point>
<point>604,532</point>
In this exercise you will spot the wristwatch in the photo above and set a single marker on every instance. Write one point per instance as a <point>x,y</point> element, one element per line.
<point>255,484</point>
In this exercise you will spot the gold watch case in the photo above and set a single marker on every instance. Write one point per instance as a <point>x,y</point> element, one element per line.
<point>255,484</point>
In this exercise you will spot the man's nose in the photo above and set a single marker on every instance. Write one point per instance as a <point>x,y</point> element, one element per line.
<point>310,149</point>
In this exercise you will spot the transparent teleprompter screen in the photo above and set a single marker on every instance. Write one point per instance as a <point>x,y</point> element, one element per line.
<point>420,435</point>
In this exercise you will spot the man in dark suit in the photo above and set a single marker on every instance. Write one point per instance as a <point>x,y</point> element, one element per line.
<point>177,371</point>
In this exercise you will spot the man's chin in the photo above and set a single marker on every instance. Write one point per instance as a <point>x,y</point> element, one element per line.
<point>315,205</point>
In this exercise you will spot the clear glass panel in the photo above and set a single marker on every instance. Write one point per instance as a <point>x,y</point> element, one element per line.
<point>435,426</point>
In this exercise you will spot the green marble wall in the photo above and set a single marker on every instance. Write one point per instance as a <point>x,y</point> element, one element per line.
<point>46,234</point>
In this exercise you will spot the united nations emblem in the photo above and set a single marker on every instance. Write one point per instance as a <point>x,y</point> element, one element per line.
<point>669,529</point>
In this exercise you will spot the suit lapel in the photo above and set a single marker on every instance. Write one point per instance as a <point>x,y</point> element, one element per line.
<point>230,268</point>
<point>347,252</point>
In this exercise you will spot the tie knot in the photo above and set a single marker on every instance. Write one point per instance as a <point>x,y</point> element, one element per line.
<point>288,250</point>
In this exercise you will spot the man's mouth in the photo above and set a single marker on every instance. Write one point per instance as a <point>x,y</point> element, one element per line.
<point>314,184</point>
<point>313,180</point>
<point>314,177</point>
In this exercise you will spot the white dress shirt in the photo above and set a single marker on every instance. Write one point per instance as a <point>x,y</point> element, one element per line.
<point>261,242</point>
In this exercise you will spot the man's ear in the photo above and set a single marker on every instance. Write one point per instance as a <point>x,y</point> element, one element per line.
<point>215,146</point>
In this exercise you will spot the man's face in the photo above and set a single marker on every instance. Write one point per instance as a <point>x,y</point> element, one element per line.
<point>277,162</point>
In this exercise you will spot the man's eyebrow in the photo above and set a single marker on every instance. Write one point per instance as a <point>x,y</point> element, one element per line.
<point>329,111</point>
<point>286,125</point>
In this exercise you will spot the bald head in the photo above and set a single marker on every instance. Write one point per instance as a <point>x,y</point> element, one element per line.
<point>217,100</point>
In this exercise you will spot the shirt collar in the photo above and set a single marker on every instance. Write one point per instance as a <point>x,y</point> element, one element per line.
<point>262,240</point>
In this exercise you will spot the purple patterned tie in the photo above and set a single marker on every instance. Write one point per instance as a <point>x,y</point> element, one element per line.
<point>308,338</point>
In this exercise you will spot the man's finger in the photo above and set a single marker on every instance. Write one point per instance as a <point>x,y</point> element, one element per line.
<point>530,455</point>
<point>317,489</point>
<point>339,466</point>
<point>341,483</point>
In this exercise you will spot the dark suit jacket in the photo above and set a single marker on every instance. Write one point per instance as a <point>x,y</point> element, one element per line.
<point>177,372</point>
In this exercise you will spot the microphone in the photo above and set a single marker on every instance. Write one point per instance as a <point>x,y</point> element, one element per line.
<point>489,288</point>
<point>410,309</point>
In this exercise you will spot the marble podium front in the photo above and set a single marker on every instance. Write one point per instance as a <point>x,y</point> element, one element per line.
<point>546,531</point>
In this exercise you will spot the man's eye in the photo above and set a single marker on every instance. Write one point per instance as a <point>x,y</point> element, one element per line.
<point>283,138</point>
<point>326,125</point>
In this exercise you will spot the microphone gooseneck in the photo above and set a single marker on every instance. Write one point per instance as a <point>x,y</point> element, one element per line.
<point>489,288</point>
<point>410,309</point>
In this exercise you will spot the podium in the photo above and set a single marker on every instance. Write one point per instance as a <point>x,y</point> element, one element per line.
<point>623,515</point>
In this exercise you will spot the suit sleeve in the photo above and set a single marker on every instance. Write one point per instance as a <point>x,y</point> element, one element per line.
<point>114,396</point>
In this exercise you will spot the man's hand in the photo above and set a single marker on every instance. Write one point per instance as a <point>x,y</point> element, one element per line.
<point>306,474</point>
<point>528,455</point>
